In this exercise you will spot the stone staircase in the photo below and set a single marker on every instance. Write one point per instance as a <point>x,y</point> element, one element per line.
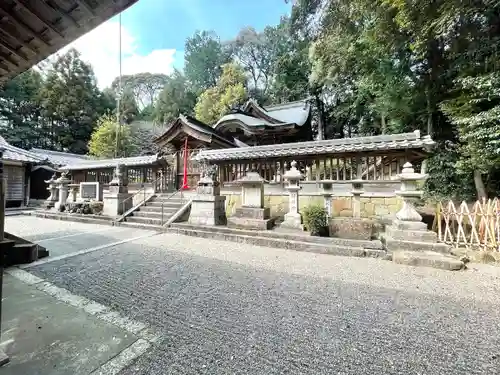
<point>156,212</point>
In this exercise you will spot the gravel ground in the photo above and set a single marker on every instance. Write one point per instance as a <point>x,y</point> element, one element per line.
<point>226,308</point>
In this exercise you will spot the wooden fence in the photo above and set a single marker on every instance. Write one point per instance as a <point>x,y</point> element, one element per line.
<point>475,226</point>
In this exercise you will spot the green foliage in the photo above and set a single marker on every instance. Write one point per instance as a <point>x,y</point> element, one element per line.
<point>230,91</point>
<point>71,102</point>
<point>315,219</point>
<point>204,56</point>
<point>103,141</point>
<point>174,99</point>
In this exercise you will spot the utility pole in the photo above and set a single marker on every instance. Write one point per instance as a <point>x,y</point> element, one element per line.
<point>118,97</point>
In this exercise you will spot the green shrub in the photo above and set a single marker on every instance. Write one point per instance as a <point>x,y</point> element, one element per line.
<point>315,219</point>
<point>96,207</point>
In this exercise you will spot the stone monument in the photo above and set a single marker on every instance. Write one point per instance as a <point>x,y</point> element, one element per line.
<point>208,206</point>
<point>407,231</point>
<point>252,214</point>
<point>354,227</point>
<point>62,184</point>
<point>293,219</point>
<point>118,200</point>
<point>52,188</point>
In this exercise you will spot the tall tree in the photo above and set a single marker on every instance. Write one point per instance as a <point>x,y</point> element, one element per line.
<point>229,92</point>
<point>175,99</point>
<point>203,60</point>
<point>144,87</point>
<point>20,111</point>
<point>103,140</point>
<point>71,102</point>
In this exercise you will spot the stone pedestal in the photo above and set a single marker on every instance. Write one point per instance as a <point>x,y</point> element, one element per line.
<point>63,187</point>
<point>118,201</point>
<point>293,219</point>
<point>252,214</point>
<point>52,188</point>
<point>116,204</point>
<point>208,206</point>
<point>407,231</point>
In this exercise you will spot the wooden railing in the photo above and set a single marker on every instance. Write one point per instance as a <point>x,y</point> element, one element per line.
<point>475,226</point>
<point>373,168</point>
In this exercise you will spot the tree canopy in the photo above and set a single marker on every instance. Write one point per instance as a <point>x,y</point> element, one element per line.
<point>366,67</point>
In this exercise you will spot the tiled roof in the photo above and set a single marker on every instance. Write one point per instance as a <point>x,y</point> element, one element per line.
<point>18,154</point>
<point>111,163</point>
<point>330,146</point>
<point>297,112</point>
<point>294,112</point>
<point>59,158</point>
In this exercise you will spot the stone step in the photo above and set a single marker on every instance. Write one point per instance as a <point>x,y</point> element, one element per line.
<point>278,242</point>
<point>163,198</point>
<point>145,220</point>
<point>154,214</point>
<point>248,223</point>
<point>397,245</point>
<point>167,203</point>
<point>140,225</point>
<point>298,236</point>
<point>170,208</point>
<point>428,259</point>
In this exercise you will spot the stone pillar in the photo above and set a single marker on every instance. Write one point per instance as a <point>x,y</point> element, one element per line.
<point>52,188</point>
<point>63,187</point>
<point>118,201</point>
<point>208,206</point>
<point>327,192</point>
<point>73,192</point>
<point>252,214</point>
<point>357,190</point>
<point>407,231</point>
<point>293,219</point>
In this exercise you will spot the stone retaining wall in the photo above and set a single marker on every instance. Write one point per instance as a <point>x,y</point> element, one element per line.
<point>371,206</point>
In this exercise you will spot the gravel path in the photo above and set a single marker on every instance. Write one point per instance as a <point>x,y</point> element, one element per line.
<point>226,308</point>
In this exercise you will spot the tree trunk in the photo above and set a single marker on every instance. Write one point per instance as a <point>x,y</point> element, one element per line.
<point>383,125</point>
<point>478,182</point>
<point>319,108</point>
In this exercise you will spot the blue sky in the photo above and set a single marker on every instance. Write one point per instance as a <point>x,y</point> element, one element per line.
<point>154,32</point>
<point>165,24</point>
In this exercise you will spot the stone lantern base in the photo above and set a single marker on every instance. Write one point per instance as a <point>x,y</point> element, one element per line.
<point>413,236</point>
<point>253,218</point>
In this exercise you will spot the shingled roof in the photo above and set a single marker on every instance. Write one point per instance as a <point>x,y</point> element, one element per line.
<point>18,154</point>
<point>59,158</point>
<point>134,161</point>
<point>331,146</point>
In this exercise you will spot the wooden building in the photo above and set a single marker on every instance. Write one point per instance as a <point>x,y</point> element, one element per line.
<point>248,126</point>
<point>18,165</point>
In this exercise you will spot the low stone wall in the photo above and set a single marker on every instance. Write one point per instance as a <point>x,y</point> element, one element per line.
<point>371,205</point>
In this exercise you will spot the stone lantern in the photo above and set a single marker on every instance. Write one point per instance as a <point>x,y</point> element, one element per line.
<point>407,231</point>
<point>293,176</point>
<point>410,194</point>
<point>62,184</point>
<point>52,188</point>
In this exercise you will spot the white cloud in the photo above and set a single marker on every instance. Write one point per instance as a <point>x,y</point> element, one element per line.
<point>100,48</point>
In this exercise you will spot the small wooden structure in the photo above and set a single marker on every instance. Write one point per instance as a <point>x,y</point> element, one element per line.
<point>141,171</point>
<point>18,164</point>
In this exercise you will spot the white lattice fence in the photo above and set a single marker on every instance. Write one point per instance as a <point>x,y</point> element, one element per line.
<point>470,225</point>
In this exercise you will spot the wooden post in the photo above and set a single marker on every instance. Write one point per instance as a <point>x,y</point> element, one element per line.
<point>3,357</point>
